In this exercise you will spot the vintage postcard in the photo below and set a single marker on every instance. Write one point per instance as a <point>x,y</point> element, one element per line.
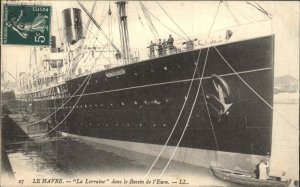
<point>149,93</point>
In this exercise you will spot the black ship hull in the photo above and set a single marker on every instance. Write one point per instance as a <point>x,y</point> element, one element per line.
<point>142,102</point>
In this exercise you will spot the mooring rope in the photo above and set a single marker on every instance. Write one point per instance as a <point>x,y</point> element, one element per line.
<point>179,115</point>
<point>212,127</point>
<point>96,39</point>
<point>82,94</point>
<point>68,112</point>
<point>257,94</point>
<point>65,102</point>
<point>187,123</point>
<point>58,107</point>
<point>210,120</point>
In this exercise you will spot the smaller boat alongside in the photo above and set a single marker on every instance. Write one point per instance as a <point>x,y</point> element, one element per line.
<point>245,178</point>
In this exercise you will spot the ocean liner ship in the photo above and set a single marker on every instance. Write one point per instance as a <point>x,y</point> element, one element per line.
<point>210,99</point>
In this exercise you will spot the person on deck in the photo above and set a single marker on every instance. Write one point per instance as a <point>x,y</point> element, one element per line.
<point>189,45</point>
<point>165,47</point>
<point>151,47</point>
<point>263,170</point>
<point>160,48</point>
<point>170,43</point>
<point>118,55</point>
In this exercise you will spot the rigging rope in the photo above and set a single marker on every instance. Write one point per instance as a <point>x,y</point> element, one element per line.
<point>187,123</point>
<point>244,14</point>
<point>149,21</point>
<point>97,25</point>
<point>141,22</point>
<point>214,19</point>
<point>179,115</point>
<point>259,96</point>
<point>164,24</point>
<point>59,34</point>
<point>139,16</point>
<point>103,45</point>
<point>172,20</point>
<point>89,21</point>
<point>233,15</point>
<point>260,9</point>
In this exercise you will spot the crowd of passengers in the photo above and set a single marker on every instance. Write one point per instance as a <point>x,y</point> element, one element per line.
<point>167,47</point>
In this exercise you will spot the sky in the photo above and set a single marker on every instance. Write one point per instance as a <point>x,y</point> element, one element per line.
<point>194,18</point>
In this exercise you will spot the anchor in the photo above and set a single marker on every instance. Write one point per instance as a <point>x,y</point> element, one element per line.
<point>218,103</point>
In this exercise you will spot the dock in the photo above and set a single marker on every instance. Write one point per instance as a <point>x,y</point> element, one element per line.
<point>18,128</point>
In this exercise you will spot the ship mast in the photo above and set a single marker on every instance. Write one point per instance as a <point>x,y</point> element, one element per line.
<point>124,36</point>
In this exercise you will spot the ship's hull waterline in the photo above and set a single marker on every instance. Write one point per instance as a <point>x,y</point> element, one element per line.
<point>141,102</point>
<point>192,156</point>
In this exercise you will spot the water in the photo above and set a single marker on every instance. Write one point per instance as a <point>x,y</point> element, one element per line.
<point>69,158</point>
<point>74,160</point>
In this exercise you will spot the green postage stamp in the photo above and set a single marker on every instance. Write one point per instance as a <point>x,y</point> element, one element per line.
<point>26,24</point>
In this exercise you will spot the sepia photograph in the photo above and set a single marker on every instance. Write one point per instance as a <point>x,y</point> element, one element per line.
<point>149,93</point>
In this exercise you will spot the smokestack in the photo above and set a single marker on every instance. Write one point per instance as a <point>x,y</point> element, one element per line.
<point>72,25</point>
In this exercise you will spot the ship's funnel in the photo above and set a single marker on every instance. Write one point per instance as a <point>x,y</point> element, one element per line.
<point>72,25</point>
